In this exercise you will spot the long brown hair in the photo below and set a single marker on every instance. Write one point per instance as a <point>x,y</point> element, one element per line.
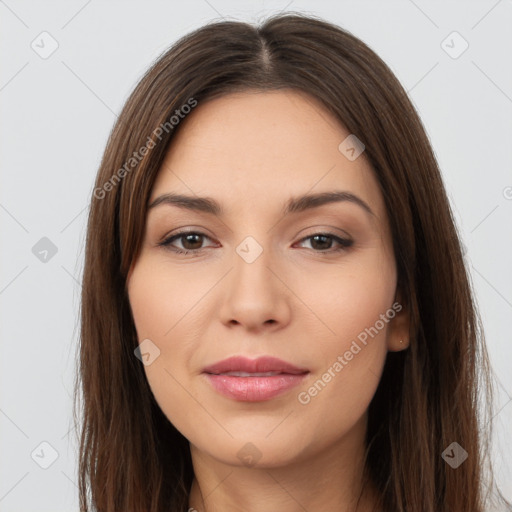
<point>131,458</point>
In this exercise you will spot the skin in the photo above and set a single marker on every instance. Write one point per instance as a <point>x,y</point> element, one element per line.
<point>297,301</point>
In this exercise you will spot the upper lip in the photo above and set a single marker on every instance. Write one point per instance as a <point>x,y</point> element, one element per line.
<point>258,365</point>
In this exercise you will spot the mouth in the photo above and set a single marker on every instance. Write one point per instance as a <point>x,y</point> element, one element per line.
<point>254,380</point>
<point>247,374</point>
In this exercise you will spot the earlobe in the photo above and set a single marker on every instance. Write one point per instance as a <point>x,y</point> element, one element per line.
<point>398,334</point>
<point>397,347</point>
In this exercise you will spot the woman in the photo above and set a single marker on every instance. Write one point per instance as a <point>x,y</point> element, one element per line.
<point>276,312</point>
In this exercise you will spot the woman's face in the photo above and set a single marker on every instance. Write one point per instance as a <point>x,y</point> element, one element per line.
<point>257,282</point>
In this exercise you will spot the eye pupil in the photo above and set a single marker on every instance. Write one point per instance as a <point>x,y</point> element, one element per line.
<point>322,239</point>
<point>187,239</point>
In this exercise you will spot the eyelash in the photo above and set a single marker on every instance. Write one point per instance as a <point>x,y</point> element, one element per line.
<point>343,242</point>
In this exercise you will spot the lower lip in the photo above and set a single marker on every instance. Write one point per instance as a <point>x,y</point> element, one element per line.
<point>254,389</point>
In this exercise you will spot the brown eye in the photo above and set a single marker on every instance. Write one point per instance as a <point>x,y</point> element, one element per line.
<point>323,242</point>
<point>191,241</point>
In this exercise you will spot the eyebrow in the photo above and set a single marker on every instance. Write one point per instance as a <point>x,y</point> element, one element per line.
<point>294,205</point>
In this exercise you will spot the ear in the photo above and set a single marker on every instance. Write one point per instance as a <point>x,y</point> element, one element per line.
<point>398,335</point>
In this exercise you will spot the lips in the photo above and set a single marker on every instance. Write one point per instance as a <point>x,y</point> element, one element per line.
<point>253,380</point>
<point>254,366</point>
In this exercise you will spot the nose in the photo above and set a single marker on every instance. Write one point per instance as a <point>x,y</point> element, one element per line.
<point>255,296</point>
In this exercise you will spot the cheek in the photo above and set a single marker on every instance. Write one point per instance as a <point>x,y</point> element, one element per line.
<point>161,299</point>
<point>352,313</point>
<point>165,309</point>
<point>345,300</point>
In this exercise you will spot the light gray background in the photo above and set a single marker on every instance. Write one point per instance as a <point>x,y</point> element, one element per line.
<point>57,114</point>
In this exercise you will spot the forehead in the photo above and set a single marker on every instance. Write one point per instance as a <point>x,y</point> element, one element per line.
<point>252,151</point>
